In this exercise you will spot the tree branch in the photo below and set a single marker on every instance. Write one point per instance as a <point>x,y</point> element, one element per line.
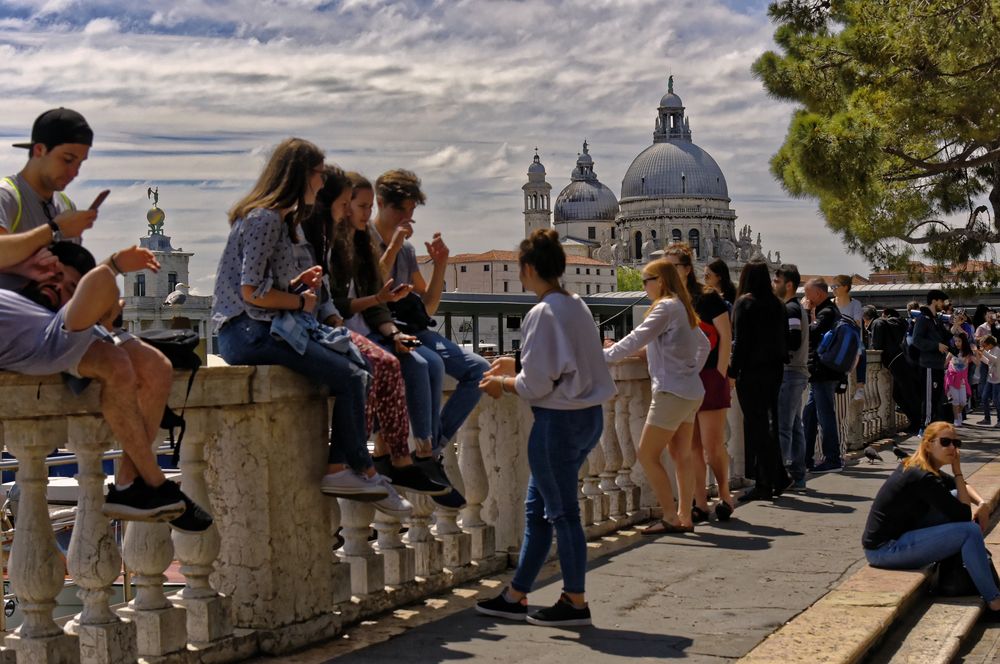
<point>936,168</point>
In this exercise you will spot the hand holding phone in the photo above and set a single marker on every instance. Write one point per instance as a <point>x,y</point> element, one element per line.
<point>399,289</point>
<point>100,199</point>
<point>410,343</point>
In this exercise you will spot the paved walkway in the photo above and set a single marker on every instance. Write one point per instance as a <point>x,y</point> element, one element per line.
<point>706,597</point>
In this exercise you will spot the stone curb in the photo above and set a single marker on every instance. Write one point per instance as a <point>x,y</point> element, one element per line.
<point>843,625</point>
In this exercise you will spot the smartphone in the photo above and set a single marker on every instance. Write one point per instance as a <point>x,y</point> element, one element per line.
<point>399,288</point>
<point>100,199</point>
<point>411,343</point>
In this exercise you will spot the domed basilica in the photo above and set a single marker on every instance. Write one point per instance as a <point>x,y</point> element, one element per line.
<point>673,191</point>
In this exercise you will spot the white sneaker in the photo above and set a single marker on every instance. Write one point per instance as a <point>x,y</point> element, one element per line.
<point>859,395</point>
<point>957,422</point>
<point>393,504</point>
<point>349,484</point>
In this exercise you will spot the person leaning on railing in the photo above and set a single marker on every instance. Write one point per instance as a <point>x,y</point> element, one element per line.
<point>922,516</point>
<point>54,324</point>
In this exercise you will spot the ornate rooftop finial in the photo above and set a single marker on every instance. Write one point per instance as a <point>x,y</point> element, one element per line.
<point>155,216</point>
<point>670,83</point>
<point>585,150</point>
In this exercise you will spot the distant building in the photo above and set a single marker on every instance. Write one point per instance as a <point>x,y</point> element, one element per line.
<point>146,292</point>
<point>969,271</point>
<point>497,271</point>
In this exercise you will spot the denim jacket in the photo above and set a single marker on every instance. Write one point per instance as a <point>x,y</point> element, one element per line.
<point>297,328</point>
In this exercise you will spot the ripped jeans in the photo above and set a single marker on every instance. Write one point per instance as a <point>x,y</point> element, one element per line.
<point>559,443</point>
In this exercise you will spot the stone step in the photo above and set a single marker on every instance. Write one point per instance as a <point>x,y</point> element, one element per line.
<point>847,623</point>
<point>982,646</point>
<point>934,634</point>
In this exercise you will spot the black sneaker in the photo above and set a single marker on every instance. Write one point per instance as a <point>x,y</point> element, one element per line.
<point>140,502</point>
<point>499,607</point>
<point>194,519</point>
<point>433,467</point>
<point>411,478</point>
<point>561,614</point>
<point>453,500</point>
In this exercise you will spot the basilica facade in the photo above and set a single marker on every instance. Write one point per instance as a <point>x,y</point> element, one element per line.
<point>673,191</point>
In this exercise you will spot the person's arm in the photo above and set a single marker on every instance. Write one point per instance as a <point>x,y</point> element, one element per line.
<point>431,294</point>
<point>17,247</point>
<point>794,338</point>
<point>95,294</point>
<point>653,326</point>
<point>725,330</point>
<point>937,496</point>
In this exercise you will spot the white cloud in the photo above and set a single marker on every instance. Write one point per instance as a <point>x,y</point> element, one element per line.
<point>193,96</point>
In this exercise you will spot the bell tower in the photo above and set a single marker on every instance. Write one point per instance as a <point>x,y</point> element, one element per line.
<point>537,207</point>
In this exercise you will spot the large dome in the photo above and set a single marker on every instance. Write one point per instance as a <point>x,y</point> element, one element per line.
<point>586,200</point>
<point>674,168</point>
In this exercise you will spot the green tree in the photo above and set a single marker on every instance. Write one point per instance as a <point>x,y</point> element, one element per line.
<point>629,279</point>
<point>897,130</point>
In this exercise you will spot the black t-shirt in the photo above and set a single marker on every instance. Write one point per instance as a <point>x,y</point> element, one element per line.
<point>709,306</point>
<point>912,499</point>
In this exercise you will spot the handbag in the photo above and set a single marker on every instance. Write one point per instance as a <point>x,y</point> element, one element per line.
<point>410,315</point>
<point>953,579</point>
<point>179,347</point>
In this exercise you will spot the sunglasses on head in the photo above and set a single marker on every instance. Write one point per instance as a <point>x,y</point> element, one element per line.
<point>948,442</point>
<point>646,280</point>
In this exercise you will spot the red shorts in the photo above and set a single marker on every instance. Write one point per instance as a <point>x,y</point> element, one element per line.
<point>717,394</point>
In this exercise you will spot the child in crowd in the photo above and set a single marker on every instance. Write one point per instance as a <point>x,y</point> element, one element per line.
<point>991,393</point>
<point>956,375</point>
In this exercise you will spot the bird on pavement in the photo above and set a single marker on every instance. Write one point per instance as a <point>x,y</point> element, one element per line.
<point>872,455</point>
<point>179,296</point>
<point>899,452</point>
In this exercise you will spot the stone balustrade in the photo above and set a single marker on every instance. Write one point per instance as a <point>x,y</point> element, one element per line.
<point>267,578</point>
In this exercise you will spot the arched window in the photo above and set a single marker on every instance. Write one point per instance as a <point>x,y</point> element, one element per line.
<point>676,235</point>
<point>694,239</point>
<point>652,234</point>
<point>638,246</point>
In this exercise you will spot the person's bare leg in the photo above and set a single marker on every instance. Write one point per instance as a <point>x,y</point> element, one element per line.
<point>699,471</point>
<point>382,449</point>
<point>712,424</point>
<point>154,376</point>
<point>112,368</point>
<point>680,452</point>
<point>651,445</point>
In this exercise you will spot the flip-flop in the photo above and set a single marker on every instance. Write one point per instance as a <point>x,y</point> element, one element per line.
<point>723,511</point>
<point>666,528</point>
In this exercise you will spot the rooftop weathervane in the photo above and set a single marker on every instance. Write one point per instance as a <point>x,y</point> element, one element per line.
<point>155,216</point>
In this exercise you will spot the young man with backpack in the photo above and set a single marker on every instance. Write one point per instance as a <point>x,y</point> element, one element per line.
<point>931,337</point>
<point>796,377</point>
<point>819,413</point>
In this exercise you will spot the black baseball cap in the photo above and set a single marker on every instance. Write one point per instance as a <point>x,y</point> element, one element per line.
<point>58,126</point>
<point>75,256</point>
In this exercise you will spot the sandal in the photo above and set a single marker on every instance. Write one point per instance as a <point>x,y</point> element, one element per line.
<point>723,511</point>
<point>666,528</point>
<point>698,515</point>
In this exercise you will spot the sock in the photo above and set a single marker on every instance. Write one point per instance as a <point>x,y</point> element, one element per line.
<point>122,487</point>
<point>509,598</point>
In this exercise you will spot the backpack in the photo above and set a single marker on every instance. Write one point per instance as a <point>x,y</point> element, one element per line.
<point>838,349</point>
<point>179,347</point>
<point>910,352</point>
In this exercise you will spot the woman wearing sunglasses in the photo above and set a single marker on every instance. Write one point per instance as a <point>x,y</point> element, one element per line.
<point>921,515</point>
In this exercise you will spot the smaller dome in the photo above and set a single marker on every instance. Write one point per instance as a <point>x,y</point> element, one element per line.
<point>670,100</point>
<point>586,200</point>
<point>536,166</point>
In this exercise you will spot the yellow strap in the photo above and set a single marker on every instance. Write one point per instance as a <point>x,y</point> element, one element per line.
<point>17,195</point>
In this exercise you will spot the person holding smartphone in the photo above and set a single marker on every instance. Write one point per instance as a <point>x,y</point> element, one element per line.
<point>922,515</point>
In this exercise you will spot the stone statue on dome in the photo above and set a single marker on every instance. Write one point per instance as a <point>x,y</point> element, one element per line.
<point>648,247</point>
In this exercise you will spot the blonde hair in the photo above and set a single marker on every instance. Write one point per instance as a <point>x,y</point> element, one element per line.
<point>670,286</point>
<point>922,457</point>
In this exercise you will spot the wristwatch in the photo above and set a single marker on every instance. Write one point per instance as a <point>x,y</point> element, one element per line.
<point>57,235</point>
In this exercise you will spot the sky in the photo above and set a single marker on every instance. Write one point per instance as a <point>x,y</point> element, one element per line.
<point>190,96</point>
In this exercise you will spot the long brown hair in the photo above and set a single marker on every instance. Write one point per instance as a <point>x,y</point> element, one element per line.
<point>922,457</point>
<point>683,252</point>
<point>670,286</point>
<point>319,227</point>
<point>353,254</point>
<point>283,184</point>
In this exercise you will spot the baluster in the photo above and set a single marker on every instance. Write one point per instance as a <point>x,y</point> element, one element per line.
<point>456,545</point>
<point>36,568</point>
<point>612,464</point>
<point>476,485</point>
<point>636,405</point>
<point>429,551</point>
<point>94,561</point>
<point>398,560</point>
<point>160,626</point>
<point>591,485</point>
<point>735,443</point>
<point>887,406</point>
<point>627,446</point>
<point>586,505</point>
<point>341,573</point>
<point>367,572</point>
<point>208,612</point>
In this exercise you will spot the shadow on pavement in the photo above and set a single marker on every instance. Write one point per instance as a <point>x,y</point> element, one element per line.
<point>626,643</point>
<point>789,503</point>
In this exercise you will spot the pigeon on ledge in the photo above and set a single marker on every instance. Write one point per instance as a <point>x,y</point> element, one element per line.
<point>899,452</point>
<point>872,454</point>
<point>179,296</point>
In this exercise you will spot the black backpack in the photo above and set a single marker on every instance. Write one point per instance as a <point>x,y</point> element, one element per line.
<point>179,347</point>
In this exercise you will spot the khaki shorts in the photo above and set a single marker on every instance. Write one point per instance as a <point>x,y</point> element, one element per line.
<point>668,411</point>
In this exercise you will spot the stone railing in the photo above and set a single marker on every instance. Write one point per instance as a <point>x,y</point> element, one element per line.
<point>266,578</point>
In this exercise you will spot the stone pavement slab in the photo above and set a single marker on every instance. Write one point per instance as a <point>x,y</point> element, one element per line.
<point>710,596</point>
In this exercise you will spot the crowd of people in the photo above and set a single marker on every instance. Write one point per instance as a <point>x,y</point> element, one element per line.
<point>318,275</point>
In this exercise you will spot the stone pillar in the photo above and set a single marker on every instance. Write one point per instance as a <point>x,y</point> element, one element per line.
<point>429,551</point>
<point>367,573</point>
<point>736,444</point>
<point>340,572</point>
<point>476,485</point>
<point>398,560</point>
<point>36,568</point>
<point>160,626</point>
<point>612,464</point>
<point>636,409</point>
<point>456,545</point>
<point>94,561</point>
<point>591,485</point>
<point>208,612</point>
<point>586,505</point>
<point>883,385</point>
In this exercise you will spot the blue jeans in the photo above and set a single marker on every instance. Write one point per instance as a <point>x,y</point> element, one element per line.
<point>819,411</point>
<point>467,369</point>
<point>861,371</point>
<point>984,373</point>
<point>924,546</point>
<point>991,394</point>
<point>244,340</point>
<point>791,436</point>
<point>423,376</point>
<point>557,446</point>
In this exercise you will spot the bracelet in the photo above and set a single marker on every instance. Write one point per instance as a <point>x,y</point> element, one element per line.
<point>302,302</point>
<point>503,384</point>
<point>114,265</point>
<point>960,475</point>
